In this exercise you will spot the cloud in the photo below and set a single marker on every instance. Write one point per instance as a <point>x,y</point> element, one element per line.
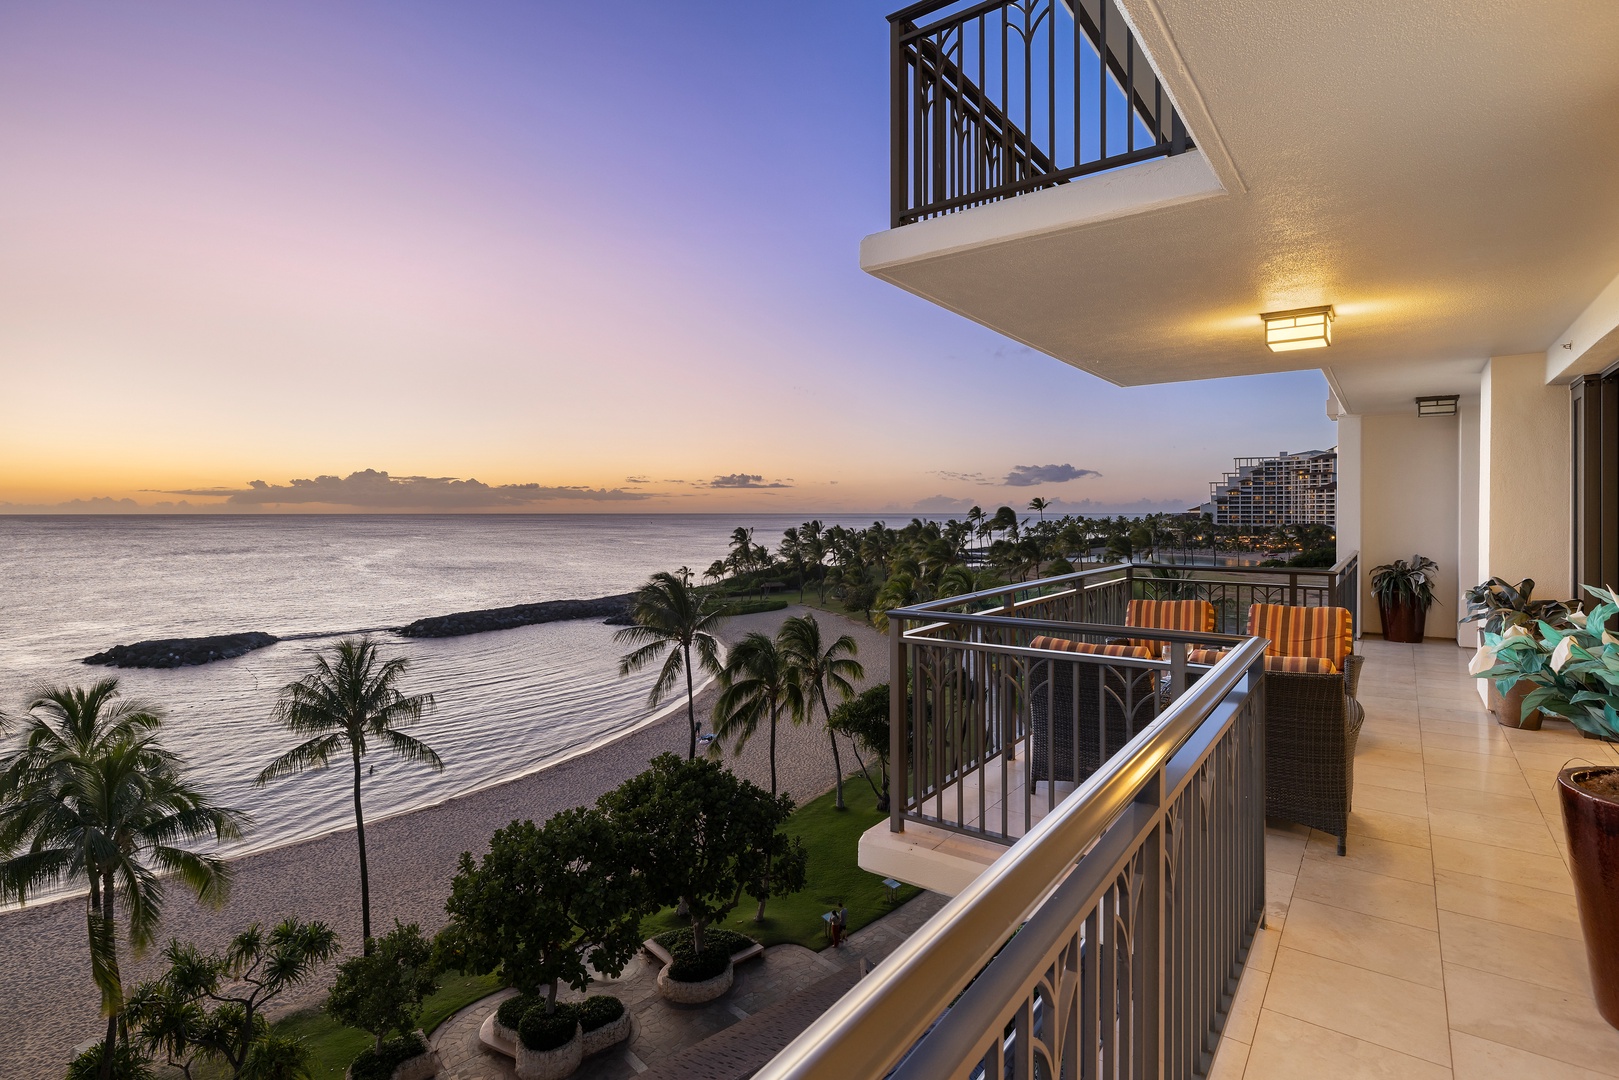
<point>744,480</point>
<point>373,490</point>
<point>100,504</point>
<point>637,480</point>
<point>1030,475</point>
<point>963,477</point>
<point>942,504</point>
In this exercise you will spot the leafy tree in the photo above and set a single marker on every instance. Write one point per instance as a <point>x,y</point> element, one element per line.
<point>549,902</point>
<point>209,1007</point>
<point>778,864</point>
<point>1039,506</point>
<point>758,681</point>
<point>1005,520</point>
<point>671,620</point>
<point>864,720</point>
<point>382,991</point>
<point>820,667</point>
<point>91,796</point>
<point>350,699</point>
<point>701,831</point>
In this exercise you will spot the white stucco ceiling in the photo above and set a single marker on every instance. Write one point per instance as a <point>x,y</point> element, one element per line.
<point>1446,174</point>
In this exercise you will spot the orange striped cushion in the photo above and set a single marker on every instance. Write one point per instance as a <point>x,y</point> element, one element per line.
<point>1327,632</point>
<point>1302,665</point>
<point>1066,645</point>
<point>1195,616</point>
<point>1206,656</point>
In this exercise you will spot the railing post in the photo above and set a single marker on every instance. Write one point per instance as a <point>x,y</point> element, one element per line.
<point>1293,589</point>
<point>898,125</point>
<point>899,774</point>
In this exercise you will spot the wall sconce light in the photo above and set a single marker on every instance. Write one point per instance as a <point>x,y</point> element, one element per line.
<point>1301,328</point>
<point>1437,406</point>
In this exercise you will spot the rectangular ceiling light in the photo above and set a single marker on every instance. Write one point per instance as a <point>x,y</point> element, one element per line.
<point>1437,406</point>
<point>1301,328</point>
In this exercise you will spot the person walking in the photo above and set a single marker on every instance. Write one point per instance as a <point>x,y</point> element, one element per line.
<point>840,923</point>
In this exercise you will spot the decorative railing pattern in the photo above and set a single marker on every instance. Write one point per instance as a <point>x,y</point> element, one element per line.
<point>1001,97</point>
<point>1107,942</point>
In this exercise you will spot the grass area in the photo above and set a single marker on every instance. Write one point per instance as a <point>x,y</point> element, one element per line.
<point>332,1046</point>
<point>832,836</point>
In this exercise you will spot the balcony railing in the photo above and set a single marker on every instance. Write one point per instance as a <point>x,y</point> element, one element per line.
<point>1108,940</point>
<point>994,99</point>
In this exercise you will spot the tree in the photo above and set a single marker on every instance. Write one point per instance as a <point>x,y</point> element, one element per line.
<point>1040,506</point>
<point>704,834</point>
<point>548,903</point>
<point>757,682</point>
<point>1005,519</point>
<point>670,618</point>
<point>209,1007</point>
<point>382,991</point>
<point>820,667</point>
<point>864,720</point>
<point>91,796</point>
<point>351,699</point>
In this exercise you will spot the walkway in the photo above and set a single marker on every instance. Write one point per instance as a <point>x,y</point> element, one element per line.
<point>1446,943</point>
<point>776,996</point>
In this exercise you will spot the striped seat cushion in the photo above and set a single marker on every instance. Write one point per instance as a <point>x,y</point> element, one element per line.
<point>1205,656</point>
<point>1193,616</point>
<point>1325,632</point>
<point>1301,665</point>
<point>1058,644</point>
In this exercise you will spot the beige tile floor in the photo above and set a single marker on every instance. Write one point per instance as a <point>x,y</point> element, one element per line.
<point>1446,943</point>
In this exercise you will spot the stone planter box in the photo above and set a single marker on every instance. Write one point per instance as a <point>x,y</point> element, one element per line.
<point>662,955</point>
<point>695,993</point>
<point>504,1034</point>
<point>550,1064</point>
<point>594,1042</point>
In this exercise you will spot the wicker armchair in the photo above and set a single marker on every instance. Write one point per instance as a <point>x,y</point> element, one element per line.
<point>1312,721</point>
<point>1114,702</point>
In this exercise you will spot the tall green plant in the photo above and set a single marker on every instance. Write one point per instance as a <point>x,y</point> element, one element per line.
<point>671,621</point>
<point>1499,606</point>
<point>822,667</point>
<point>382,991</point>
<point>92,797</point>
<point>350,701</point>
<point>1404,582</point>
<point>1574,669</point>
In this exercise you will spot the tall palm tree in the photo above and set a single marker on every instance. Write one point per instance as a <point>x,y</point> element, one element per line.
<point>757,683</point>
<point>671,618</point>
<point>351,699</point>
<point>820,667</point>
<point>90,796</point>
<point>1040,506</point>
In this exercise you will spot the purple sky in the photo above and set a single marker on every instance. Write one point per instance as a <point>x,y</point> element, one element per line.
<point>594,256</point>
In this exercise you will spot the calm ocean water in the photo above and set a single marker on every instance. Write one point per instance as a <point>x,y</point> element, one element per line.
<point>509,701</point>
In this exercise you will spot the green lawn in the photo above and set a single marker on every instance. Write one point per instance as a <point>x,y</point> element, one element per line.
<point>831,836</point>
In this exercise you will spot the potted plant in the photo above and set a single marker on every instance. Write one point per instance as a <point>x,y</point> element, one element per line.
<point>1575,674</point>
<point>1404,593</point>
<point>1504,609</point>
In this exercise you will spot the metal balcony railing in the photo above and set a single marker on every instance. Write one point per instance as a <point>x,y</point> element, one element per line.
<point>1106,942</point>
<point>994,99</point>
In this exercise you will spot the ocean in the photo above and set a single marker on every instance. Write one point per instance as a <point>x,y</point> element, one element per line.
<point>508,702</point>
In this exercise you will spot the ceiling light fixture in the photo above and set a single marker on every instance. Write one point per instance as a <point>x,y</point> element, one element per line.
<point>1301,328</point>
<point>1444,405</point>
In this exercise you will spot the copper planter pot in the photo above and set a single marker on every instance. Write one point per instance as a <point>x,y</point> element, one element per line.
<point>1591,823</point>
<point>1508,707</point>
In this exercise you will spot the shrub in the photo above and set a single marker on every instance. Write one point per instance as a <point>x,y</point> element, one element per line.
<point>541,1032</point>
<point>753,607</point>
<point>379,1063</point>
<point>381,992</point>
<point>698,967</point>
<point>510,1013</point>
<point>127,1064</point>
<point>598,1011</point>
<point>688,965</point>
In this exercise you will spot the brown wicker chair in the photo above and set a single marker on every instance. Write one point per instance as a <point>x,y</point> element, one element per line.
<point>1312,721</point>
<point>1115,702</point>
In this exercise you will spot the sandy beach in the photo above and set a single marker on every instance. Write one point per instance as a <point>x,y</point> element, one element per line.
<point>47,1002</point>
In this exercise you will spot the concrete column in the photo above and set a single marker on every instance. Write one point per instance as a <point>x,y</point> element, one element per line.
<point>1524,476</point>
<point>1467,519</point>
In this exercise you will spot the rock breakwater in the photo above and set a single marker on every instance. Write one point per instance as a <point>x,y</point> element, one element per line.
<point>181,652</point>
<point>613,609</point>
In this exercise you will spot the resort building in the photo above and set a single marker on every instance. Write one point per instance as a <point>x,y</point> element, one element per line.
<point>1177,855</point>
<point>1288,489</point>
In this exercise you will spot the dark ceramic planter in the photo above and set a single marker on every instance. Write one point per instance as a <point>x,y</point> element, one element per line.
<point>1592,825</point>
<point>1403,622</point>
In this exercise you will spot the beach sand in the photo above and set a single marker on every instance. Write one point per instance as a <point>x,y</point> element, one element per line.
<point>48,1004</point>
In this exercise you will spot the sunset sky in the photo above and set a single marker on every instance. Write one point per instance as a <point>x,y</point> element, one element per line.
<point>594,256</point>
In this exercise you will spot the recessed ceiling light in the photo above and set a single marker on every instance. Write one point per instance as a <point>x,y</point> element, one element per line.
<point>1301,328</point>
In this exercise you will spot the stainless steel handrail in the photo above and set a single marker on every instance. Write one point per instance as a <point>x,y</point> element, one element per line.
<point>867,1031</point>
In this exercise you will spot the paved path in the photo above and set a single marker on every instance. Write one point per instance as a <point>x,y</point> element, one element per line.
<point>774,998</point>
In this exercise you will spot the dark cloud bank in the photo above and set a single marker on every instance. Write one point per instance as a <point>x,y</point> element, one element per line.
<point>373,490</point>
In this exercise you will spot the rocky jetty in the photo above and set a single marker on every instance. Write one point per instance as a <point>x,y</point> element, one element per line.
<point>612,609</point>
<point>181,652</point>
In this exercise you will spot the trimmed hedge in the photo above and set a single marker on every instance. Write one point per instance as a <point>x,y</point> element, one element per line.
<point>375,1064</point>
<point>752,607</point>
<point>510,1013</point>
<point>688,965</point>
<point>598,1010</point>
<point>540,1032</point>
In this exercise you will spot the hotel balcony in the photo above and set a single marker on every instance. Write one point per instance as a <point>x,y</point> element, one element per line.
<point>1144,918</point>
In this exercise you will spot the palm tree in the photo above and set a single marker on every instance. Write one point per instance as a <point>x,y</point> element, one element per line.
<point>758,681</point>
<point>1039,505</point>
<point>351,698</point>
<point>820,667</point>
<point>671,618</point>
<point>90,796</point>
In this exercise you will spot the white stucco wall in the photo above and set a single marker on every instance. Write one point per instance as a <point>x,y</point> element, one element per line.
<point>1409,494</point>
<point>1467,564</point>
<point>1524,476</point>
